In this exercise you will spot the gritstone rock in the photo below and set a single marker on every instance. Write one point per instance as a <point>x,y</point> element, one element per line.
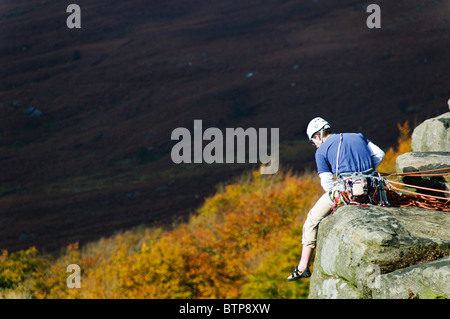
<point>391,252</point>
<point>382,252</point>
<point>423,161</point>
<point>433,135</point>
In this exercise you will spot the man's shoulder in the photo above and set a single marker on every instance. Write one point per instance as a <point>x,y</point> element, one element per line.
<point>355,136</point>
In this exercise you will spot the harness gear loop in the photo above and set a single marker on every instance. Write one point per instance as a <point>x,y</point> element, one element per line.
<point>359,188</point>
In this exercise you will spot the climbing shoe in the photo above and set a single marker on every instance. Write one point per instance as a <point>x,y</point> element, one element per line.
<point>297,274</point>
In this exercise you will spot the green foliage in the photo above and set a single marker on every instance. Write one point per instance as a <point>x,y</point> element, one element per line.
<point>14,268</point>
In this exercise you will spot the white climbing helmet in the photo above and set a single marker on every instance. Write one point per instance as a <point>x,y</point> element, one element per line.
<point>317,124</point>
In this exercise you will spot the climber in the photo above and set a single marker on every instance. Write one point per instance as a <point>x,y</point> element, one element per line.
<point>338,155</point>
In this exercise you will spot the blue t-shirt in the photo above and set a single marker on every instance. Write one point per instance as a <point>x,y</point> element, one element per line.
<point>354,154</point>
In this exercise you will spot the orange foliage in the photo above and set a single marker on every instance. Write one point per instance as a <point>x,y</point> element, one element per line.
<point>225,250</point>
<point>241,243</point>
<point>403,146</point>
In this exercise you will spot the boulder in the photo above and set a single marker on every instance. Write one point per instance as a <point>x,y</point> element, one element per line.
<point>382,252</point>
<point>33,112</point>
<point>433,135</point>
<point>427,281</point>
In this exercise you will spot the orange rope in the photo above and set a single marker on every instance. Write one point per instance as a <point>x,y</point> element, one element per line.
<point>417,199</point>
<point>421,194</point>
<point>419,172</point>
<point>420,175</point>
<point>420,187</point>
<point>413,198</point>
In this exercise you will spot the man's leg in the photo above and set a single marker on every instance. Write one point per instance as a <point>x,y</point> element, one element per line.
<point>306,257</point>
<point>321,209</point>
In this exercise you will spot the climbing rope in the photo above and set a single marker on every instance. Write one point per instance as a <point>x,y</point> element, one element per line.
<point>416,198</point>
<point>384,192</point>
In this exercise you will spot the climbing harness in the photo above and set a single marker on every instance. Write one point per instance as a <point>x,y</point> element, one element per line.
<point>374,188</point>
<point>359,189</point>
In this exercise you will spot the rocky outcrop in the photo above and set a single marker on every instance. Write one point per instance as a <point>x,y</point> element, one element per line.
<point>422,161</point>
<point>382,252</point>
<point>433,135</point>
<point>391,252</point>
<point>430,143</point>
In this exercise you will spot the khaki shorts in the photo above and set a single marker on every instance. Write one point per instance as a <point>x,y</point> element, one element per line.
<point>320,210</point>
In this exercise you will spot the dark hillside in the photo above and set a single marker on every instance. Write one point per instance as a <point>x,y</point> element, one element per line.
<point>97,159</point>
